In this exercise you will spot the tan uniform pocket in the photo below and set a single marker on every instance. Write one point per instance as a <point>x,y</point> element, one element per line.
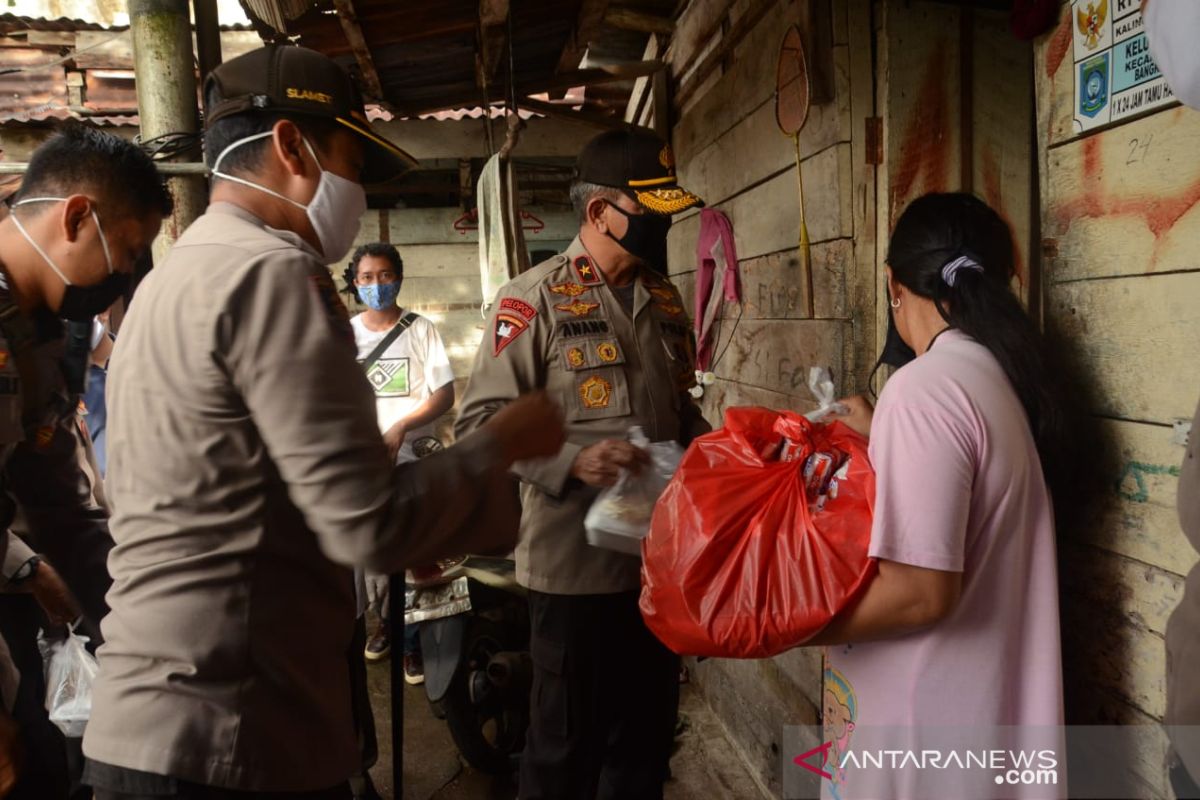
<point>599,393</point>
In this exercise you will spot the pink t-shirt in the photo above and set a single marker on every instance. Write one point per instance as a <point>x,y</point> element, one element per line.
<point>959,488</point>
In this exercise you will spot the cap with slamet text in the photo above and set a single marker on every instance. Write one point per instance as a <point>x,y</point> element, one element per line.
<point>639,161</point>
<point>288,79</point>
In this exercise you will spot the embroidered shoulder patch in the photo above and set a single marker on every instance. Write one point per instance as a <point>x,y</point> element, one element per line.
<point>670,308</point>
<point>663,294</point>
<point>586,271</point>
<point>512,319</point>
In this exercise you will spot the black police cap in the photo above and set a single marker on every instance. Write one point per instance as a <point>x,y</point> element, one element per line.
<point>287,80</point>
<point>639,161</point>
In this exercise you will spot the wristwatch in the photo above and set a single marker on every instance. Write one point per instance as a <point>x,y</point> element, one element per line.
<point>26,570</point>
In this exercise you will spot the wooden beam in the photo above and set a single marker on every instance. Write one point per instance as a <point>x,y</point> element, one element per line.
<point>591,16</point>
<point>629,19</point>
<point>564,111</point>
<point>354,37</point>
<point>581,77</point>
<point>640,94</point>
<point>493,38</point>
<point>737,31</point>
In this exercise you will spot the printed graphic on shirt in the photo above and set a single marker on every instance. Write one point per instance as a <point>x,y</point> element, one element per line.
<point>840,707</point>
<point>586,271</point>
<point>578,308</point>
<point>512,319</point>
<point>389,377</point>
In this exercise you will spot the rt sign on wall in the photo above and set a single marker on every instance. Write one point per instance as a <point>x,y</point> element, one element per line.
<point>1115,75</point>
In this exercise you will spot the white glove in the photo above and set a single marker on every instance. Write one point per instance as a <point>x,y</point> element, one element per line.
<point>377,593</point>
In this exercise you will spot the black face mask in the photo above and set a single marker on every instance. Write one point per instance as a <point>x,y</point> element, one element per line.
<point>645,238</point>
<point>81,303</point>
<point>895,352</point>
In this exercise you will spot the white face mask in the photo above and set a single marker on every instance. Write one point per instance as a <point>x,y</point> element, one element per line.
<point>335,211</point>
<point>79,303</point>
<point>1171,27</point>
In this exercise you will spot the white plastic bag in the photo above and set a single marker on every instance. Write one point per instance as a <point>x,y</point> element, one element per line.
<point>820,383</point>
<point>70,673</point>
<point>619,518</point>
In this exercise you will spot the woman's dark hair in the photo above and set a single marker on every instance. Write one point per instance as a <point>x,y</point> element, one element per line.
<point>938,228</point>
<point>378,250</point>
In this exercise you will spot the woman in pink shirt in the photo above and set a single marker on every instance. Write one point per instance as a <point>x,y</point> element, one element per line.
<point>959,632</point>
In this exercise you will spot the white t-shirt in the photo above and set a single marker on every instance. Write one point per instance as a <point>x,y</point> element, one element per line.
<point>413,368</point>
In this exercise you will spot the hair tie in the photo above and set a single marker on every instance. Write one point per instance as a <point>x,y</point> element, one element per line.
<point>950,270</point>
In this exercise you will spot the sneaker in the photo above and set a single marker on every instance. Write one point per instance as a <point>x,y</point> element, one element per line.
<point>379,646</point>
<point>414,669</point>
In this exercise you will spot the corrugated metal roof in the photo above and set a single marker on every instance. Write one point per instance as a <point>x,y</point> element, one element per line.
<point>424,52</point>
<point>26,88</point>
<point>14,22</point>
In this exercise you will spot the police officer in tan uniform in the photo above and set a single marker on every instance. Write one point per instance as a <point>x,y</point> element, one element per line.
<point>89,204</point>
<point>246,468</point>
<point>605,333</point>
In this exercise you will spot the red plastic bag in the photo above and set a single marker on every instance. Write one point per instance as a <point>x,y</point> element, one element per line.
<point>747,557</point>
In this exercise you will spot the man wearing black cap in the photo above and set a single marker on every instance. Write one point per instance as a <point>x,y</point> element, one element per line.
<point>606,334</point>
<point>247,470</point>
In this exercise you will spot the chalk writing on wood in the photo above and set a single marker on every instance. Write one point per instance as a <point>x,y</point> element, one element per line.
<point>1132,483</point>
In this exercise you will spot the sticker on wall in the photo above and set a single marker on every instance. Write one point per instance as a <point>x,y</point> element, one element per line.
<point>1115,75</point>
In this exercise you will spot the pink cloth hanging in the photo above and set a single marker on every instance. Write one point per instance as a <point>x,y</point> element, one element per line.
<point>716,260</point>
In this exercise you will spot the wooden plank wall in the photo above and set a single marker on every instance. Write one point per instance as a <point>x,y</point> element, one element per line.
<point>730,151</point>
<point>1121,244</point>
<point>441,274</point>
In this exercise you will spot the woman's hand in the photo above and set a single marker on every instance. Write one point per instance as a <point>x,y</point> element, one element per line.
<point>858,414</point>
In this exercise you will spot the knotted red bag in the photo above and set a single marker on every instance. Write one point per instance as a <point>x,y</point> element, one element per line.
<point>749,556</point>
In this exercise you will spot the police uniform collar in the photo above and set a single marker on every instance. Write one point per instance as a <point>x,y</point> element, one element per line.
<point>582,266</point>
<point>291,237</point>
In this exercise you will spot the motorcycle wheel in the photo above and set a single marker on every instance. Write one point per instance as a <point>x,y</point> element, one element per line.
<point>487,724</point>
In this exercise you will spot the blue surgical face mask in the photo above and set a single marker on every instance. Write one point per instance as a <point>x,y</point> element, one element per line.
<point>380,296</point>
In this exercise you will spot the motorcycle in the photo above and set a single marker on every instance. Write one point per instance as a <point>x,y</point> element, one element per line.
<point>474,632</point>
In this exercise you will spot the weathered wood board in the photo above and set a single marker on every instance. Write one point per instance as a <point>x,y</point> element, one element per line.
<point>1135,335</point>
<point>1126,660</point>
<point>1135,517</point>
<point>1125,201</point>
<point>755,148</point>
<point>1002,154</point>
<point>777,354</point>
<point>750,82</point>
<point>923,102</point>
<point>766,217</point>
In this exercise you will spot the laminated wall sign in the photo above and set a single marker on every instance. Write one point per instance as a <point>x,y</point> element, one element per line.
<point>1115,75</point>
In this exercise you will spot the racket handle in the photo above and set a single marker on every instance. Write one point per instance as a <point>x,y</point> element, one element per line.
<point>806,269</point>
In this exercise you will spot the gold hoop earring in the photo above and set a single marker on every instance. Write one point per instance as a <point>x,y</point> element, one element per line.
<point>895,302</point>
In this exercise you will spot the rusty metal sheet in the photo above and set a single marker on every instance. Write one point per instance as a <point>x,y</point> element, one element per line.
<point>26,89</point>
